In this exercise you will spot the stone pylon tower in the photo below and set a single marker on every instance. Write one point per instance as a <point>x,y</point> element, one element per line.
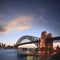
<point>50,44</point>
<point>42,39</point>
<point>42,45</point>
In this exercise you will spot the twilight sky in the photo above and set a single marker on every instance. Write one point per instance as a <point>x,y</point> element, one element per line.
<point>28,17</point>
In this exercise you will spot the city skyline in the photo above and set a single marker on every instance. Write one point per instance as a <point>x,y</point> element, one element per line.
<point>23,17</point>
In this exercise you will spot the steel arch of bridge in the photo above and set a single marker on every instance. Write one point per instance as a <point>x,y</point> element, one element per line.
<point>31,38</point>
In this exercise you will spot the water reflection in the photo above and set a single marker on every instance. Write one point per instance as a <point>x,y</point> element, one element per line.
<point>10,54</point>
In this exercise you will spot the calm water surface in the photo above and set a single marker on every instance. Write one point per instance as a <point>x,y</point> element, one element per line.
<point>10,54</point>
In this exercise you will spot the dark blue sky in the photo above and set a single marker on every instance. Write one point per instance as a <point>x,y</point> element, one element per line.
<point>28,17</point>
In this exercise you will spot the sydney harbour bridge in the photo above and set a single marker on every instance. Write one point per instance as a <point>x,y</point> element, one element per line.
<point>32,39</point>
<point>35,40</point>
<point>42,42</point>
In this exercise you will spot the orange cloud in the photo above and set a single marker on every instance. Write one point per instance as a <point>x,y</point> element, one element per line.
<point>23,27</point>
<point>4,29</point>
<point>19,20</point>
<point>18,23</point>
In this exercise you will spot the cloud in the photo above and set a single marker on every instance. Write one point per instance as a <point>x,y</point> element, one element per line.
<point>44,10</point>
<point>42,20</point>
<point>22,27</point>
<point>0,21</point>
<point>19,20</point>
<point>4,29</point>
<point>1,16</point>
<point>18,23</point>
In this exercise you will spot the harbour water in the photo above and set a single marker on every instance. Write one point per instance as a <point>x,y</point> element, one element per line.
<point>10,54</point>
